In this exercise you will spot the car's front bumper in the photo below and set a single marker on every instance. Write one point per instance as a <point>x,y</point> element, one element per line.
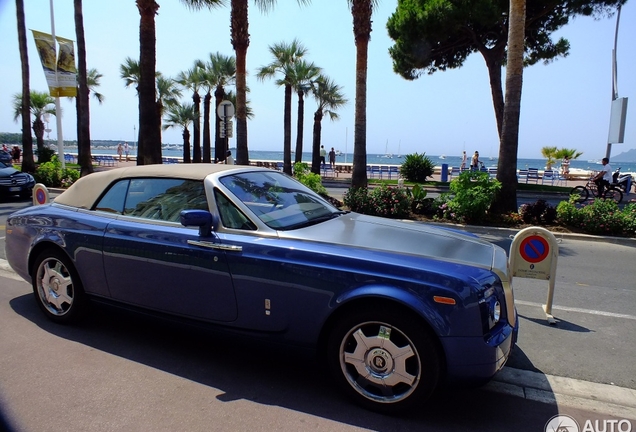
<point>475,359</point>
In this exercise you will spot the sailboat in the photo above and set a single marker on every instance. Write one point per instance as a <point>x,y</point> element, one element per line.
<point>386,151</point>
<point>399,155</point>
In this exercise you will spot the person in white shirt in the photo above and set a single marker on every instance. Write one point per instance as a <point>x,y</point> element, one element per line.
<point>604,177</point>
<point>229,160</point>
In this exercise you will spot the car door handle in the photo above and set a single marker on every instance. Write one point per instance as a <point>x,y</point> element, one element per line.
<point>217,246</point>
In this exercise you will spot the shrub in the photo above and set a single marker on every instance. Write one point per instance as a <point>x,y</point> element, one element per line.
<point>390,202</point>
<point>599,217</point>
<point>416,168</point>
<point>473,192</point>
<point>309,179</point>
<point>540,213</point>
<point>46,155</point>
<point>383,201</point>
<point>358,200</point>
<point>419,203</point>
<point>51,174</point>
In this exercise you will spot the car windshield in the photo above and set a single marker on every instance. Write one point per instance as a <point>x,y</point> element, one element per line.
<point>279,201</point>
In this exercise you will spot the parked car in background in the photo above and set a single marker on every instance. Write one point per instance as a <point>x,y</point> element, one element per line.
<point>394,309</point>
<point>14,182</point>
<point>6,157</point>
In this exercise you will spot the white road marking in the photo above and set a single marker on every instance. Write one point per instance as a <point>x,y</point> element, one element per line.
<point>579,310</point>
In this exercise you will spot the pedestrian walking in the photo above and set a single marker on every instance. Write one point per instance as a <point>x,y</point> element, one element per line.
<point>332,158</point>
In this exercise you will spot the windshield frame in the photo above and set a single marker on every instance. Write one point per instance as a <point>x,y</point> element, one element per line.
<point>277,200</point>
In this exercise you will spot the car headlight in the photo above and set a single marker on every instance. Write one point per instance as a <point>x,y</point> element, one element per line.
<point>496,312</point>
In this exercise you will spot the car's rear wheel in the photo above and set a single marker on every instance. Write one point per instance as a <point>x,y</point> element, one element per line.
<point>57,287</point>
<point>384,359</point>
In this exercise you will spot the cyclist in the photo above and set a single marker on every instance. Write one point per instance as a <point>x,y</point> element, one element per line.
<point>604,177</point>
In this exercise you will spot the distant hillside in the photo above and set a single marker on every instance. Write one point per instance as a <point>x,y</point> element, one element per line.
<point>628,156</point>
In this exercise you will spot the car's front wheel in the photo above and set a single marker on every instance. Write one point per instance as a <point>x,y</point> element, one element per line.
<point>384,359</point>
<point>57,287</point>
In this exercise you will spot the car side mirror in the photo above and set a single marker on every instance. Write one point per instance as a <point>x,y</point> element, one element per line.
<point>201,218</point>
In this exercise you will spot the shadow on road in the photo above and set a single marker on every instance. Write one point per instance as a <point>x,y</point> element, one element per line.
<point>275,375</point>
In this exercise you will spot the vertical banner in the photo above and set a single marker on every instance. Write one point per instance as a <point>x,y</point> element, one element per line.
<point>60,72</point>
<point>66,72</point>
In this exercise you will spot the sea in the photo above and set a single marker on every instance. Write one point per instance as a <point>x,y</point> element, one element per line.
<point>391,159</point>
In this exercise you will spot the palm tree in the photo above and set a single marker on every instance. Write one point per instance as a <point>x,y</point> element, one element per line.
<point>41,103</point>
<point>129,72</point>
<point>93,78</point>
<point>329,97</point>
<point>168,94</point>
<point>285,55</point>
<point>82,105</point>
<point>303,77</point>
<point>361,11</point>
<point>550,153</point>
<point>193,79</point>
<point>28,164</point>
<point>507,166</point>
<point>181,116</point>
<point>569,153</point>
<point>240,36</point>
<point>149,140</point>
<point>222,73</point>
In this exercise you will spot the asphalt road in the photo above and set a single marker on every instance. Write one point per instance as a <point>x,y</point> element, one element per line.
<point>121,372</point>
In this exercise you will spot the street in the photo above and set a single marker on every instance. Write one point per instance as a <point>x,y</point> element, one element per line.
<point>120,371</point>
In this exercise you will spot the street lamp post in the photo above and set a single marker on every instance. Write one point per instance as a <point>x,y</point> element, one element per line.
<point>618,113</point>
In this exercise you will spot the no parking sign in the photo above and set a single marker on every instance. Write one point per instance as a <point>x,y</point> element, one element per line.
<point>40,194</point>
<point>533,254</point>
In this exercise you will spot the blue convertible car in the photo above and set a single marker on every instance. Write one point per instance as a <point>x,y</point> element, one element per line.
<point>393,308</point>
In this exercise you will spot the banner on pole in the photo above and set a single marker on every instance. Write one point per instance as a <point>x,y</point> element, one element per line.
<point>60,71</point>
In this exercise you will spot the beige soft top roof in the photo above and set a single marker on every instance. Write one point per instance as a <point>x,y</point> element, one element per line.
<point>86,190</point>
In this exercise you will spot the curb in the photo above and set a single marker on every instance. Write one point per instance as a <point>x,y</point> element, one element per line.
<point>561,391</point>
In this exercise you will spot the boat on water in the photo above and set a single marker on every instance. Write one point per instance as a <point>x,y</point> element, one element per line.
<point>442,157</point>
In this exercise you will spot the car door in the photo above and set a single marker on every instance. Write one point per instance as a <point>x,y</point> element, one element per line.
<point>149,261</point>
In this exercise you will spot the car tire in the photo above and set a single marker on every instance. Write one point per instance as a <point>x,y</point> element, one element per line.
<point>57,287</point>
<point>384,359</point>
<point>582,192</point>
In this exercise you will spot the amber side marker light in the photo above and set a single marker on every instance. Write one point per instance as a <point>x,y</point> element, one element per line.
<point>444,300</point>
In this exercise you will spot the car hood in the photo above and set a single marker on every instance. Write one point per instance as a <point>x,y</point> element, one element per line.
<point>399,236</point>
<point>8,172</point>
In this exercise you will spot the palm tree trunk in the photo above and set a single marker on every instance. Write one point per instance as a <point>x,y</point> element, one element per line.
<point>83,108</point>
<point>361,10</point>
<point>186,145</point>
<point>219,143</point>
<point>28,164</point>
<point>149,146</point>
<point>507,165</point>
<point>494,74</point>
<point>287,165</point>
<point>206,128</point>
<point>38,129</point>
<point>240,42</point>
<point>315,145</point>
<point>299,127</point>
<point>196,128</point>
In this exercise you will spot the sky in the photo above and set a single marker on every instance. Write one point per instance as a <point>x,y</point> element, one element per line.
<point>564,104</point>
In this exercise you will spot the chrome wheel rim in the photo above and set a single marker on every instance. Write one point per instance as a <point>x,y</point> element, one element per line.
<point>380,362</point>
<point>55,286</point>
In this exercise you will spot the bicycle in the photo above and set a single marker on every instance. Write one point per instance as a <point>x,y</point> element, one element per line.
<point>590,188</point>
